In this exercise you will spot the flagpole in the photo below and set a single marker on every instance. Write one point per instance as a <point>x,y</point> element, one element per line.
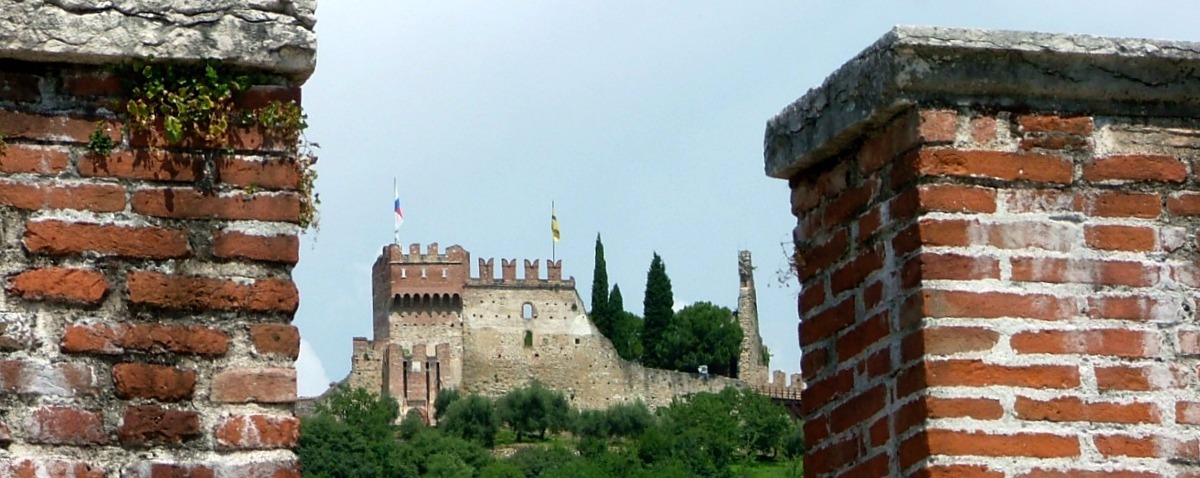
<point>395,220</point>
<point>553,244</point>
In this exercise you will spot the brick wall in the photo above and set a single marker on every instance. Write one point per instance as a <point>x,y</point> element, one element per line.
<point>997,285</point>
<point>147,294</point>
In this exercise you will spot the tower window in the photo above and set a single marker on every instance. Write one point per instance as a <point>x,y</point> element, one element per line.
<point>527,311</point>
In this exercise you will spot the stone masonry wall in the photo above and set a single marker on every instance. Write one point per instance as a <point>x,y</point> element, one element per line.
<point>567,352</point>
<point>997,243</point>
<point>147,293</point>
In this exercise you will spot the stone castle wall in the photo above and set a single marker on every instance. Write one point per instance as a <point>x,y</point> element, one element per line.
<point>495,334</point>
<point>147,295</point>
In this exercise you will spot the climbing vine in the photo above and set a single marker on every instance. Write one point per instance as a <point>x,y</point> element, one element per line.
<point>198,103</point>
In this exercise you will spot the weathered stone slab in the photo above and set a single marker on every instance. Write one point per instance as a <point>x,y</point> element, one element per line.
<point>1048,72</point>
<point>272,35</point>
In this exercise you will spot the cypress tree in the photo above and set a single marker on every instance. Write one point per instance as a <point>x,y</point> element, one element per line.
<point>657,313</point>
<point>601,315</point>
<point>615,303</point>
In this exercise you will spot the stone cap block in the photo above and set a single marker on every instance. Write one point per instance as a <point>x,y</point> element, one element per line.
<point>932,66</point>
<point>271,35</point>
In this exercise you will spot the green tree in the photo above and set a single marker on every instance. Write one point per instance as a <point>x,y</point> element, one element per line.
<point>411,425</point>
<point>764,424</point>
<point>703,334</point>
<point>601,315</point>
<point>472,418</point>
<point>628,419</point>
<point>626,328</point>
<point>657,314</point>
<point>444,398</point>
<point>533,409</point>
<point>350,435</point>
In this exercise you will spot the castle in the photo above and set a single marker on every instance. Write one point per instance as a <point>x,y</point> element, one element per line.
<point>437,327</point>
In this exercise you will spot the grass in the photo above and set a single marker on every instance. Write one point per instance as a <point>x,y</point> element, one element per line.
<point>770,469</point>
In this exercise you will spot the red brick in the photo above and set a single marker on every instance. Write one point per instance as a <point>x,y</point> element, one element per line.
<point>866,334</point>
<point>1036,445</point>
<point>938,126</point>
<point>1052,236</point>
<point>50,468</point>
<point>254,384</point>
<point>1040,201</point>
<point>54,195</point>
<point>829,458</point>
<point>1187,413</point>
<point>1121,238</point>
<point>66,238</point>
<point>154,425</point>
<point>153,164</point>
<point>877,465</point>
<point>976,373</point>
<point>67,426</point>
<point>1139,308</point>
<point>897,137</point>
<point>818,393</point>
<point>1136,167</point>
<point>20,86</point>
<point>983,129</point>
<point>852,274</point>
<point>1046,473</point>
<point>186,203</point>
<point>155,338</point>
<point>946,232</point>
<point>84,286</point>
<point>827,323</point>
<point>280,339</point>
<point>849,204</point>
<point>16,124</point>
<point>260,96</point>
<point>1184,204</point>
<point>956,198</point>
<point>811,297</point>
<point>92,83</point>
<point>958,267</point>
<point>819,257</point>
<point>159,382</point>
<point>959,471</point>
<point>56,379</point>
<point>977,408</point>
<point>18,158</point>
<point>239,245</point>
<point>868,224</point>
<point>1072,125</point>
<point>946,303</point>
<point>1189,342</point>
<point>814,361</point>
<point>1072,409</point>
<point>994,164</point>
<point>270,173</point>
<point>257,432</point>
<point>191,292</point>
<point>1140,378</point>
<point>174,470</point>
<point>952,340</point>
<point>1084,271</point>
<point>1115,342</point>
<point>1118,204</point>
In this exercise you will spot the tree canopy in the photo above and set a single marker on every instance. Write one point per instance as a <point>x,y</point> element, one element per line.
<point>703,334</point>
<point>657,314</point>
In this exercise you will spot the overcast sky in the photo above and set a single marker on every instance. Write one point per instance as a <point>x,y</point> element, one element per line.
<point>642,121</point>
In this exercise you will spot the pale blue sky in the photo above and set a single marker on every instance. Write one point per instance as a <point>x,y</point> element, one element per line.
<point>642,121</point>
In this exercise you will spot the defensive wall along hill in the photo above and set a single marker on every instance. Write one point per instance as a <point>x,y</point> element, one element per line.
<point>147,293</point>
<point>997,242</point>
<point>437,327</point>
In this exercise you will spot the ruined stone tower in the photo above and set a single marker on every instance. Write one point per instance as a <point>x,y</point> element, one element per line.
<point>751,368</point>
<point>997,243</point>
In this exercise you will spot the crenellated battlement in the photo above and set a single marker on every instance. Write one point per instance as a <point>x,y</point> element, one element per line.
<point>393,253</point>
<point>532,273</point>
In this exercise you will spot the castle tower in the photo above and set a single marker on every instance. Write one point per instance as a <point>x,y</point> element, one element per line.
<point>418,322</point>
<point>751,368</point>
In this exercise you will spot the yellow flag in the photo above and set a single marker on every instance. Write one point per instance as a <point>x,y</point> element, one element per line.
<point>554,225</point>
